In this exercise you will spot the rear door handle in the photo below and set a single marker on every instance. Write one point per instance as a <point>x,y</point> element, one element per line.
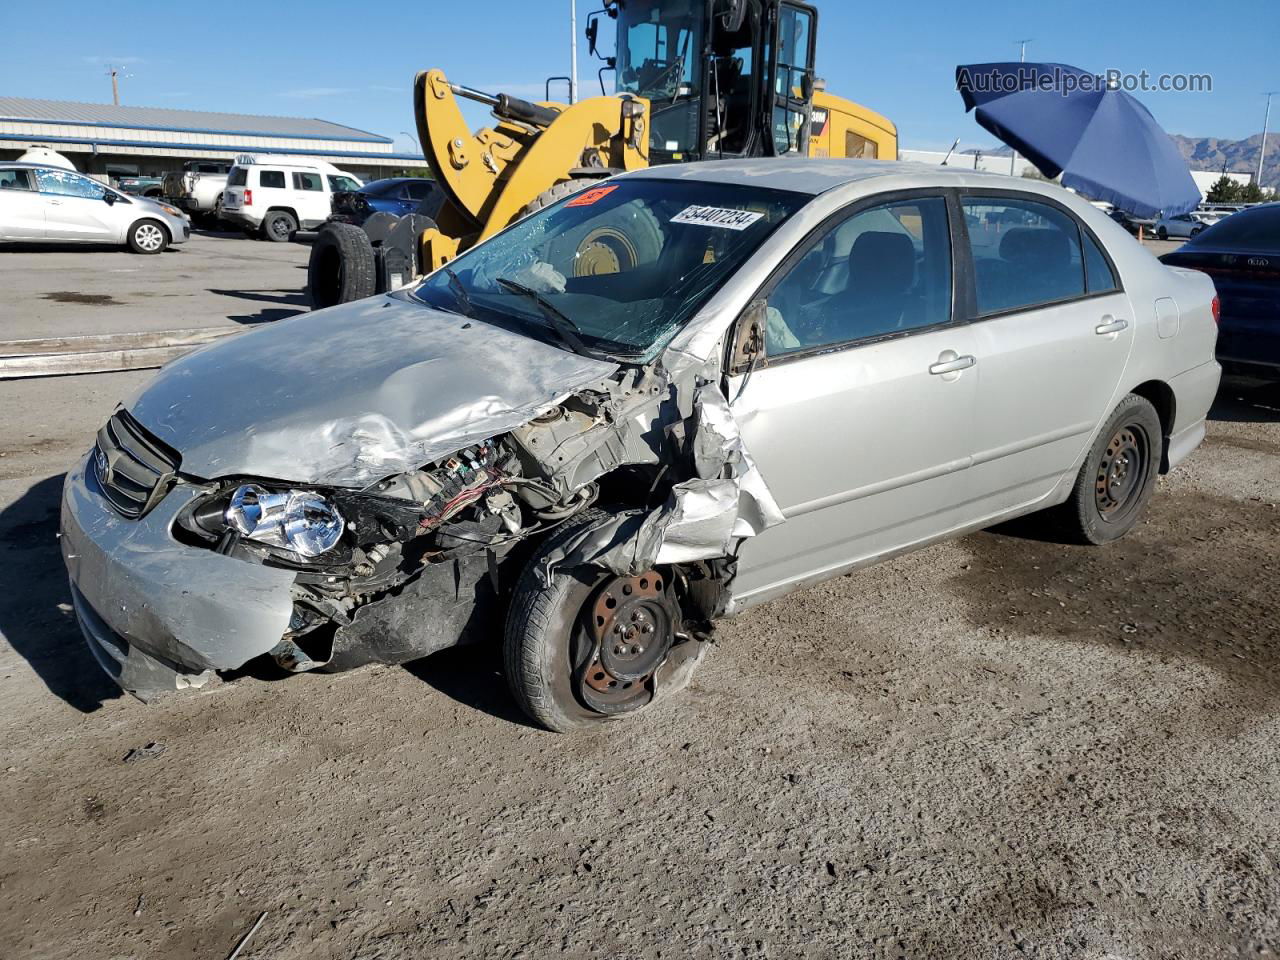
<point>1110,326</point>
<point>953,365</point>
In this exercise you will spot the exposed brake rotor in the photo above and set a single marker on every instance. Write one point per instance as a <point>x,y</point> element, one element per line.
<point>633,624</point>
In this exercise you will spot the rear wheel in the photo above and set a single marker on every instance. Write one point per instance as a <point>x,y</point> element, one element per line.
<point>341,267</point>
<point>148,236</point>
<point>611,243</point>
<point>1118,477</point>
<point>1162,233</point>
<point>593,646</point>
<point>279,226</point>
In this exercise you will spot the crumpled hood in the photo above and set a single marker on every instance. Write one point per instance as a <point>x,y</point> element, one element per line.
<point>351,394</point>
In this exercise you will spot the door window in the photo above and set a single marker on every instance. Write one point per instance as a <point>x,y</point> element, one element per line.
<point>340,183</point>
<point>14,180</point>
<point>1024,253</point>
<point>883,271</point>
<point>1098,275</point>
<point>419,190</point>
<point>307,181</point>
<point>271,178</point>
<point>67,184</point>
<point>794,29</point>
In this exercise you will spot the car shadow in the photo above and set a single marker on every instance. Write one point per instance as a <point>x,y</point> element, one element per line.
<point>1245,399</point>
<point>266,315</point>
<point>36,618</point>
<point>297,299</point>
<point>470,675</point>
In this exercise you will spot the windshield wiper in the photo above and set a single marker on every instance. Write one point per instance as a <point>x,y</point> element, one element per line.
<point>566,329</point>
<point>459,293</point>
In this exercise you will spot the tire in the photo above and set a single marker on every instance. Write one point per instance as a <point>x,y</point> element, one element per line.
<point>539,637</point>
<point>1162,233</point>
<point>279,226</point>
<point>608,245</point>
<point>341,268</point>
<point>148,237</point>
<point>1083,519</point>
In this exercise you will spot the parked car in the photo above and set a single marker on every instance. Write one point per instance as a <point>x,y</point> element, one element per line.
<point>655,403</point>
<point>197,190</point>
<point>395,195</point>
<point>1181,226</point>
<point>39,203</point>
<point>1241,253</point>
<point>1128,221</point>
<point>274,197</point>
<point>151,187</point>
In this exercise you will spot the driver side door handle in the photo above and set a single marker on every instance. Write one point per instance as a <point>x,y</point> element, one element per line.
<point>953,365</point>
<point>1110,326</point>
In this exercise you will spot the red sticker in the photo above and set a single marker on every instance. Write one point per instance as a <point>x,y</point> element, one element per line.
<point>588,197</point>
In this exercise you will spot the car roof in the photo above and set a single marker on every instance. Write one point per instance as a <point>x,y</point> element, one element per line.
<point>814,175</point>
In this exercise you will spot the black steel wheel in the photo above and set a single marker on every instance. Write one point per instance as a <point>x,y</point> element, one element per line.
<point>1118,476</point>
<point>593,646</point>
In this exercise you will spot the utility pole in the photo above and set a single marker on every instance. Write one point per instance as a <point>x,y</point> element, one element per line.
<point>115,85</point>
<point>1013,160</point>
<point>573,52</point>
<point>1262,152</point>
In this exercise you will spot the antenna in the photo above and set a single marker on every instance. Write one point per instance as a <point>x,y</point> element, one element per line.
<point>949,152</point>
<point>115,73</point>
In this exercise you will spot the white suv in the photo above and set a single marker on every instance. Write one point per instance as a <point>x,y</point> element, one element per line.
<point>277,197</point>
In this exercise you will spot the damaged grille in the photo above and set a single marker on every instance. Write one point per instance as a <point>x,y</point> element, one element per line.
<point>133,468</point>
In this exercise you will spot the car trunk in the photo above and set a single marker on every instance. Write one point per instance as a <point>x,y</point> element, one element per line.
<point>1248,286</point>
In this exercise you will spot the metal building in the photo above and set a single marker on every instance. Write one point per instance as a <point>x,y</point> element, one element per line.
<point>151,141</point>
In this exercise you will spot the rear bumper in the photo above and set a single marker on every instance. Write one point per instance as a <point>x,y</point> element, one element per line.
<point>159,615</point>
<point>241,218</point>
<point>1193,393</point>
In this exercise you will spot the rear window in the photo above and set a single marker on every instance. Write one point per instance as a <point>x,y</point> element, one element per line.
<point>1257,229</point>
<point>239,176</point>
<point>271,178</point>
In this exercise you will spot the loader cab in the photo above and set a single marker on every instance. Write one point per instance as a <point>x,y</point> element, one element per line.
<point>724,78</point>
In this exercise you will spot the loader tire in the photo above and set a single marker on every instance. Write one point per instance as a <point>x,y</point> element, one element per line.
<point>628,238</point>
<point>341,268</point>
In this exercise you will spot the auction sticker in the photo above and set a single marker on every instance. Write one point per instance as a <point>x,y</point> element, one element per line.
<point>721,217</point>
<point>587,197</point>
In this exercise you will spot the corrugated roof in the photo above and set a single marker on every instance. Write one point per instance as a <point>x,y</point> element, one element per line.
<point>186,121</point>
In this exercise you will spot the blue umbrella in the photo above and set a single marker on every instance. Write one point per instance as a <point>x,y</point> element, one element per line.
<point>1104,142</point>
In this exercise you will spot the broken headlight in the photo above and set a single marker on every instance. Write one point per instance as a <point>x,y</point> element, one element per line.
<point>298,520</point>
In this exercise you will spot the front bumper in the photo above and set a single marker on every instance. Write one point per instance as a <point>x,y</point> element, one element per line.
<point>159,615</point>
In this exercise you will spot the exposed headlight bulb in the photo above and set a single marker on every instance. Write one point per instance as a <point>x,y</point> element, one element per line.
<point>297,520</point>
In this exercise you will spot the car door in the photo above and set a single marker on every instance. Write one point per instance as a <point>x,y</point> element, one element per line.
<point>312,197</point>
<point>21,207</point>
<point>75,208</point>
<point>1053,330</point>
<point>860,413</point>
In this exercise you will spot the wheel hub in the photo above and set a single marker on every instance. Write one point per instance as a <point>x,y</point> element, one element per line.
<point>633,623</point>
<point>1120,470</point>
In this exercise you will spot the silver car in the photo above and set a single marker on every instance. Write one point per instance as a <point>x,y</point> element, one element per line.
<point>45,204</point>
<point>669,397</point>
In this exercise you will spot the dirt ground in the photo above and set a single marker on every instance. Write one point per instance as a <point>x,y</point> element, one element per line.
<point>993,748</point>
<point>998,747</point>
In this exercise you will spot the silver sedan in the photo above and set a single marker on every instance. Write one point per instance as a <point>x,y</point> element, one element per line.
<point>670,396</point>
<point>45,204</point>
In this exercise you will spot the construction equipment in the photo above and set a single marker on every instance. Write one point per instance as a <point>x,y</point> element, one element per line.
<point>695,80</point>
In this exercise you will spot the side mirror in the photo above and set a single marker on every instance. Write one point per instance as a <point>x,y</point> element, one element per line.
<point>593,31</point>
<point>806,86</point>
<point>748,346</point>
<point>109,198</point>
<point>732,14</point>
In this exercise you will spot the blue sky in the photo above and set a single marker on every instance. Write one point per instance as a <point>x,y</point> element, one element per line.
<point>340,63</point>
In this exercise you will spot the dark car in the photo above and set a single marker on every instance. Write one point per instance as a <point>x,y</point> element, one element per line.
<point>1128,221</point>
<point>1242,255</point>
<point>395,195</point>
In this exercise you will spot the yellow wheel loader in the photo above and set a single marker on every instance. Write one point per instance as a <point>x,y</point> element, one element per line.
<point>695,80</point>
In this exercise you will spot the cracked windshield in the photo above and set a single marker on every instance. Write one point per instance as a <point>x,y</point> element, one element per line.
<point>614,270</point>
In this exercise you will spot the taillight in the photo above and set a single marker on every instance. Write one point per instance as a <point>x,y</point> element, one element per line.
<point>1216,307</point>
<point>248,198</point>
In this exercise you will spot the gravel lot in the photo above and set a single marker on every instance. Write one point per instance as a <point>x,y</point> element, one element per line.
<point>997,747</point>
